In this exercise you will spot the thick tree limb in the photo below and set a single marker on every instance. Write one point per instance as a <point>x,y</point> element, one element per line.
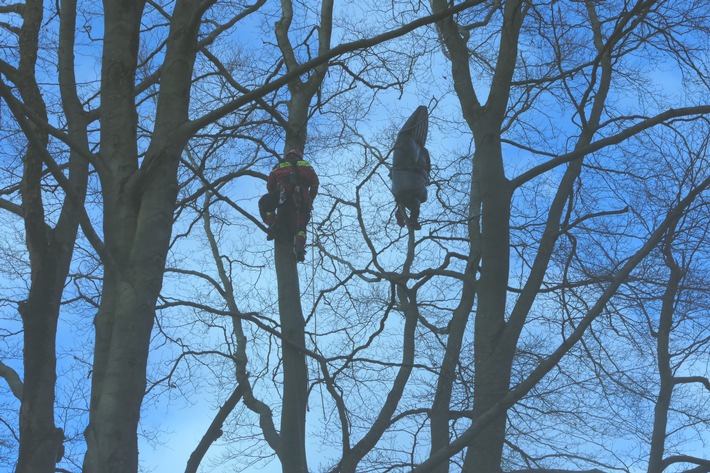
<point>611,140</point>
<point>14,8</point>
<point>703,464</point>
<point>18,109</point>
<point>11,207</point>
<point>13,380</point>
<point>693,379</point>
<point>214,431</point>
<point>553,359</point>
<point>266,422</point>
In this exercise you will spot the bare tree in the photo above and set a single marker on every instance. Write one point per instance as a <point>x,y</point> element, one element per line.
<point>515,82</point>
<point>50,248</point>
<point>429,350</point>
<point>668,369</point>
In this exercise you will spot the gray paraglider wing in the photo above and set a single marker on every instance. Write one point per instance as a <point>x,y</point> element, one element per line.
<point>410,162</point>
<point>417,125</point>
<point>411,141</point>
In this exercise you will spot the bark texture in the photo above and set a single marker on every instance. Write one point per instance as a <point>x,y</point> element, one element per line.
<point>50,251</point>
<point>138,214</point>
<point>295,372</point>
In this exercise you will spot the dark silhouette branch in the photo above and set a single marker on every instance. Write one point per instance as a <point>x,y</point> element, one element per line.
<point>193,126</point>
<point>13,380</point>
<point>214,431</point>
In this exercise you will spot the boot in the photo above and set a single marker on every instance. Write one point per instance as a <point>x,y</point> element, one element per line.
<point>299,247</point>
<point>413,222</point>
<point>399,216</point>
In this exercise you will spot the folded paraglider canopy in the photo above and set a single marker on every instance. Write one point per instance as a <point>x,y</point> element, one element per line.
<point>410,168</point>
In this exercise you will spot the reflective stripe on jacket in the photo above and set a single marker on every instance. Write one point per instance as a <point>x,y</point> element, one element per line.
<point>306,177</point>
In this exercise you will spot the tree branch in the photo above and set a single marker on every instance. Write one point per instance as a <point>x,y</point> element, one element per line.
<point>18,109</point>
<point>13,380</point>
<point>701,462</point>
<point>545,366</point>
<point>693,379</point>
<point>611,140</point>
<point>193,126</point>
<point>214,431</point>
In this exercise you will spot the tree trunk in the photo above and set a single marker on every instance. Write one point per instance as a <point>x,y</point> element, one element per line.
<point>125,318</point>
<point>122,323</point>
<point>123,327</point>
<point>440,409</point>
<point>663,402</point>
<point>292,444</point>
<point>295,372</point>
<point>40,440</point>
<point>138,216</point>
<point>493,353</point>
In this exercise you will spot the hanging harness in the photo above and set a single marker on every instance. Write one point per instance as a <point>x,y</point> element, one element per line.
<point>293,184</point>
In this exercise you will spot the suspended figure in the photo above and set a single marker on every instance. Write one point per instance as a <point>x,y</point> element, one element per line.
<point>286,208</point>
<point>410,169</point>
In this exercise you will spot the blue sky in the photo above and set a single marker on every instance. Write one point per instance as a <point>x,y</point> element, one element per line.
<point>181,426</point>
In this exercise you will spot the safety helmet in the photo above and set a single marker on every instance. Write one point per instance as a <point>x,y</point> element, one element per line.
<point>295,152</point>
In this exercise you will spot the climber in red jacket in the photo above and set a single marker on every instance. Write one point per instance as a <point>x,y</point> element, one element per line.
<point>292,185</point>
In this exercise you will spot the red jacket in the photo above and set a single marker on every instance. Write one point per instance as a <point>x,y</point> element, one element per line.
<point>287,176</point>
